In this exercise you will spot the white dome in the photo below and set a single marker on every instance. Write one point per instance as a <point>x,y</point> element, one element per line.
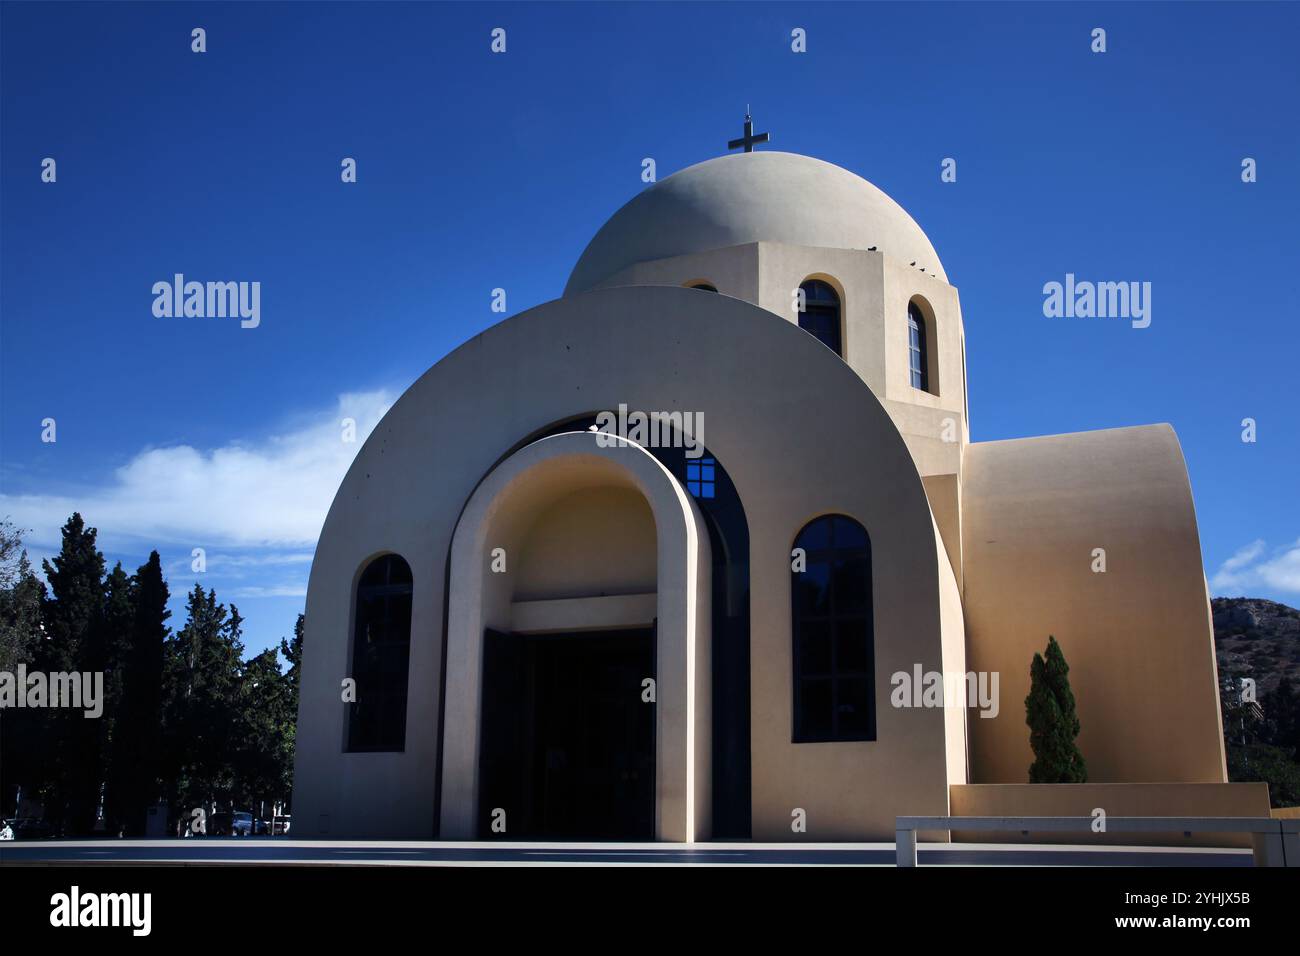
<point>752,197</point>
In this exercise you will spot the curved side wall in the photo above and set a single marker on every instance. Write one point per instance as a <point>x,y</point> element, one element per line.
<point>1138,637</point>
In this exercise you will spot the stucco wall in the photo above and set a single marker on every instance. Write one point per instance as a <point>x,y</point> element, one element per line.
<point>599,541</point>
<point>1138,637</point>
<point>874,291</point>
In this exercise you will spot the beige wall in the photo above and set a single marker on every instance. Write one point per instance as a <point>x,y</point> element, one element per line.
<point>875,290</point>
<point>1138,637</point>
<point>595,542</point>
<point>954,663</point>
<point>732,271</point>
<point>660,349</point>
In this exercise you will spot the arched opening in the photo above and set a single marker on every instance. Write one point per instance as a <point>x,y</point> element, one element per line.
<point>832,633</point>
<point>381,650</point>
<point>578,646</point>
<point>703,285</point>
<point>822,314</point>
<point>708,482</point>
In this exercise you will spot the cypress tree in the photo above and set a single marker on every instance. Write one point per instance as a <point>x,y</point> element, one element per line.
<point>136,766</point>
<point>1053,721</point>
<point>202,676</point>
<point>74,617</point>
<point>114,648</point>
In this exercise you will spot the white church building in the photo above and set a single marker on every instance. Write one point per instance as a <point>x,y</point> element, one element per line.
<point>530,618</point>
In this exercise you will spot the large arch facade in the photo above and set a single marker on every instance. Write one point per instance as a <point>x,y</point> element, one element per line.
<point>800,438</point>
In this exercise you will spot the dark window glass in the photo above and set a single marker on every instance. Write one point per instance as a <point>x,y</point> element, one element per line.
<point>381,644</point>
<point>703,287</point>
<point>853,708</point>
<point>831,628</point>
<point>916,348</point>
<point>821,314</point>
<point>812,589</point>
<point>850,648</point>
<point>817,710</point>
<point>815,650</point>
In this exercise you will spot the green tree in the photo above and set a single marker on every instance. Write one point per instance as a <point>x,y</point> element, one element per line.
<point>264,762</point>
<point>1267,764</point>
<point>1283,710</point>
<point>292,651</point>
<point>200,716</point>
<point>113,647</point>
<point>74,629</point>
<point>21,594</point>
<point>135,767</point>
<point>1053,723</point>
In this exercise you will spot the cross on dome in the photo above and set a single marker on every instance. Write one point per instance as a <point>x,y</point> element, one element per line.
<point>749,139</point>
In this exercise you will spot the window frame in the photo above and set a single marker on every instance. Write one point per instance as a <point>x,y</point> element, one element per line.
<point>822,310</point>
<point>804,728</point>
<point>918,347</point>
<point>701,477</point>
<point>374,673</point>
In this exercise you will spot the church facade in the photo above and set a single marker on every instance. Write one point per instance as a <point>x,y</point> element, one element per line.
<point>664,558</point>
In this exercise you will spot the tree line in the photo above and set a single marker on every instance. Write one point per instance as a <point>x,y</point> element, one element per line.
<point>186,720</point>
<point>1264,744</point>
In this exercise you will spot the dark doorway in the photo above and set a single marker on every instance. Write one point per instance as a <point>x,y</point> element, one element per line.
<point>568,743</point>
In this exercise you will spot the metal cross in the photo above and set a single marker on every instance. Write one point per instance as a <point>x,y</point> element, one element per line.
<point>749,139</point>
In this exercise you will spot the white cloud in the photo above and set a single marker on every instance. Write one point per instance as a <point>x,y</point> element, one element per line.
<point>1244,556</point>
<point>266,499</point>
<point>1255,567</point>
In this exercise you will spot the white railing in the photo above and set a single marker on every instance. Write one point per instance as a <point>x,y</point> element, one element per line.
<point>1275,842</point>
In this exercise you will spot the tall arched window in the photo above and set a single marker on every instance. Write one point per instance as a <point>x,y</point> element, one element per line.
<point>821,314</point>
<point>918,358</point>
<point>381,646</point>
<point>833,640</point>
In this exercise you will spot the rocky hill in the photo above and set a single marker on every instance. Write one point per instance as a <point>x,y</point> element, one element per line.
<point>1259,639</point>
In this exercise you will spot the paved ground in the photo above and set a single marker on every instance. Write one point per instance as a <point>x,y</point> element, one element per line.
<point>311,852</point>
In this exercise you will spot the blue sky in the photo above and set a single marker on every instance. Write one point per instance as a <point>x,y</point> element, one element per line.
<point>478,171</point>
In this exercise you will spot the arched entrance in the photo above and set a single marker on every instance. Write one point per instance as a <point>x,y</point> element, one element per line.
<point>728,529</point>
<point>579,573</point>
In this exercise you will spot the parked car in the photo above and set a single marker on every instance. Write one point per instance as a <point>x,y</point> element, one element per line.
<point>263,827</point>
<point>239,823</point>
